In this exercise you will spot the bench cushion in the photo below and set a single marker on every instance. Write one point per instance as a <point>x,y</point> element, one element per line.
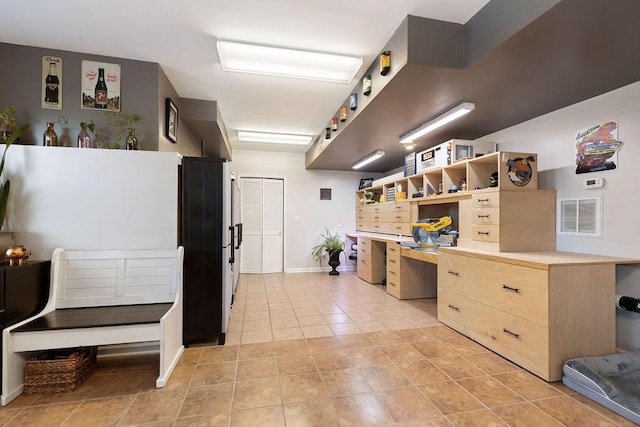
<point>91,317</point>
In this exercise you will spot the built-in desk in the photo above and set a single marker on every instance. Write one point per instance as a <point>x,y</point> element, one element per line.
<point>381,259</point>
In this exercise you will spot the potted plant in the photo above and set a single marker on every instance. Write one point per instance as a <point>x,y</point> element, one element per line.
<point>5,186</point>
<point>119,119</point>
<point>7,123</point>
<point>333,244</point>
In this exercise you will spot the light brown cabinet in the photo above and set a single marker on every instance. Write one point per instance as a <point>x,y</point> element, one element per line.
<point>408,278</point>
<point>537,309</point>
<point>370,266</point>
<point>510,221</point>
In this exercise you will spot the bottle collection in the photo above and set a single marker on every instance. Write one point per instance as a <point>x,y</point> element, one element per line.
<point>385,67</point>
<point>50,137</point>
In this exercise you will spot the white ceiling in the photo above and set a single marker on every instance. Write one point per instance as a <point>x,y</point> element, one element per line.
<point>180,36</point>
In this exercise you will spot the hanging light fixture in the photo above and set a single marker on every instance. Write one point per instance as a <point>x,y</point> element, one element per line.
<point>368,159</point>
<point>286,62</point>
<point>443,119</point>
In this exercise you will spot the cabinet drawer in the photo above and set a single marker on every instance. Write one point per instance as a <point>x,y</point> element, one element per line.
<point>517,290</point>
<point>393,286</point>
<point>401,208</point>
<point>521,341</point>
<point>400,216</point>
<point>393,252</point>
<point>378,227</point>
<point>485,216</point>
<point>380,217</point>
<point>400,229</point>
<point>393,274</point>
<point>485,200</point>
<point>360,226</point>
<point>485,233</point>
<point>364,268</point>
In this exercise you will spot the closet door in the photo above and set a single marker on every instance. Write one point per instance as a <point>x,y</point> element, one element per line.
<point>272,226</point>
<point>263,225</point>
<point>251,208</point>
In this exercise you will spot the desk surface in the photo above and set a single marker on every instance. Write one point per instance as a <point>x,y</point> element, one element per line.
<point>541,260</point>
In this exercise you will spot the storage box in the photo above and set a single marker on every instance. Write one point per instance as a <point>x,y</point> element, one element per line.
<point>452,151</point>
<point>59,371</point>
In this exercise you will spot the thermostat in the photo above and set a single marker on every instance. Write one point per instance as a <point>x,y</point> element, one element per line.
<point>590,183</point>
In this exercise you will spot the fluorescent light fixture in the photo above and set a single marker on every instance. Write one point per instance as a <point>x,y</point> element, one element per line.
<point>366,160</point>
<point>275,138</point>
<point>285,62</point>
<point>439,121</point>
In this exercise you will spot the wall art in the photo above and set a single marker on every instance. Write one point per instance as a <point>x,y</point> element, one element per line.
<point>100,86</point>
<point>597,148</point>
<point>51,78</point>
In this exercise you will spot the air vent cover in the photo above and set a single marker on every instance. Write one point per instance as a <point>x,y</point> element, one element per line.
<point>580,216</point>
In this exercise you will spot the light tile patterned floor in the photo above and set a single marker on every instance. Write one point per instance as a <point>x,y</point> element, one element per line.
<point>315,350</point>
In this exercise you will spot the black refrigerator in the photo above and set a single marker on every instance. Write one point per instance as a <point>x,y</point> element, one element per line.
<point>210,240</point>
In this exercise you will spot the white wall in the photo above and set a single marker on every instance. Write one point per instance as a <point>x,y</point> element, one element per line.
<point>306,216</point>
<point>91,199</point>
<point>552,136</point>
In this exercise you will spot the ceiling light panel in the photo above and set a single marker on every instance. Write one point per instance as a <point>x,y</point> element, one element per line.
<point>368,159</point>
<point>285,62</point>
<point>441,120</point>
<point>273,138</point>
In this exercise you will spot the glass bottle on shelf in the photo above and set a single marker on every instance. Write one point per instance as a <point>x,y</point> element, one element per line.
<point>50,137</point>
<point>132,140</point>
<point>84,139</point>
<point>101,91</point>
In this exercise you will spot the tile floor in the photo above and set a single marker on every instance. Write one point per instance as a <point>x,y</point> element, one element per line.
<point>315,350</point>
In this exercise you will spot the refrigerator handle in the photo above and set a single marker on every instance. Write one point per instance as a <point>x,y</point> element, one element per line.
<point>239,225</point>
<point>232,259</point>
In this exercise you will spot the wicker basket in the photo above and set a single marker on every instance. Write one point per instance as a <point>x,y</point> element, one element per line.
<point>48,373</point>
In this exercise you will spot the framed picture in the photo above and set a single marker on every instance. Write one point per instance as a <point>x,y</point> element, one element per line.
<point>365,183</point>
<point>171,125</point>
<point>51,96</point>
<point>100,86</point>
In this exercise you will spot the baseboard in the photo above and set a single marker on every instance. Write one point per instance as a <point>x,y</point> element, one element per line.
<point>319,269</point>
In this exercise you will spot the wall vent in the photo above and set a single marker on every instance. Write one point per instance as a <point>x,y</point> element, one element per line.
<point>580,216</point>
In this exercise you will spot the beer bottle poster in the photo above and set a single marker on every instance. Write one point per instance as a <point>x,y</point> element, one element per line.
<point>100,86</point>
<point>51,96</point>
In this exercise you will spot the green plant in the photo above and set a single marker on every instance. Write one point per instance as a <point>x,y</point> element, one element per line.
<point>5,187</point>
<point>8,117</point>
<point>331,243</point>
<point>119,119</point>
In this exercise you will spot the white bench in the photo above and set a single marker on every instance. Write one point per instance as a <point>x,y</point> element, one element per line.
<point>102,298</point>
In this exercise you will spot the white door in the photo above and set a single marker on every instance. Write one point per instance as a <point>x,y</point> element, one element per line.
<point>262,213</point>
<point>272,225</point>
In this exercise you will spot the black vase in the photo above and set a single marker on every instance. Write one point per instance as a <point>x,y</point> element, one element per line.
<point>334,262</point>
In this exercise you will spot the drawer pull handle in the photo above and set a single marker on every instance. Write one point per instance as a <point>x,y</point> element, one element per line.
<point>483,216</point>
<point>513,334</point>
<point>393,261</point>
<point>509,288</point>
<point>483,233</point>
<point>453,273</point>
<point>392,272</point>
<point>483,200</point>
<point>453,307</point>
<point>398,217</point>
